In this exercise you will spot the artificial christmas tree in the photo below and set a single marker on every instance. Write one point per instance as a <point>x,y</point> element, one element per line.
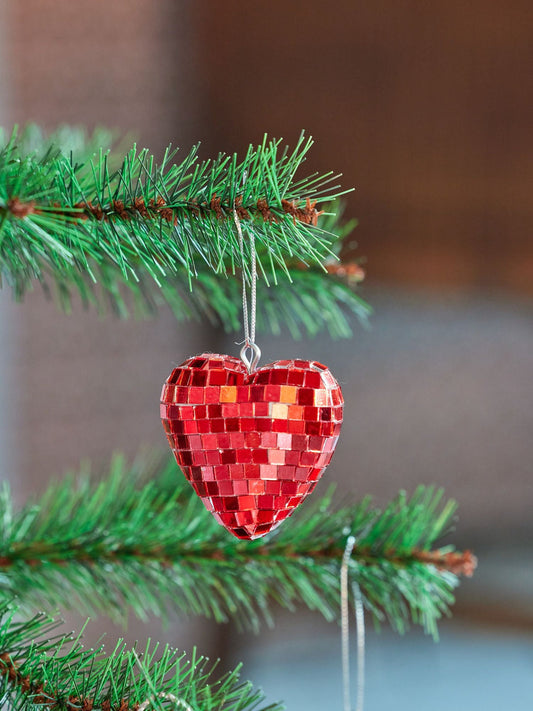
<point>91,222</point>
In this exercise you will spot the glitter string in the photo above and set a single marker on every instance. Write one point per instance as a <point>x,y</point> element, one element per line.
<point>345,633</point>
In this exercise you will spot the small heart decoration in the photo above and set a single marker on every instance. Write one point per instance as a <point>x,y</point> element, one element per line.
<point>253,446</point>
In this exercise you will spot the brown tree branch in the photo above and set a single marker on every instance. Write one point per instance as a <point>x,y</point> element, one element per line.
<point>118,209</point>
<point>456,562</point>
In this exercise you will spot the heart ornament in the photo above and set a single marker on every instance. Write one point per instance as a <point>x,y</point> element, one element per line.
<point>252,445</point>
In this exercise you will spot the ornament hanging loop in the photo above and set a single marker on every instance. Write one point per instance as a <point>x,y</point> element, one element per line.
<point>253,360</point>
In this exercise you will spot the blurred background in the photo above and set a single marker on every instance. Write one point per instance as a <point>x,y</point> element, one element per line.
<point>427,109</point>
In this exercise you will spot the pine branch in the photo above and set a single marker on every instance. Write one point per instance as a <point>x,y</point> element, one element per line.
<point>70,217</point>
<point>308,304</point>
<point>41,669</point>
<point>305,301</point>
<point>141,541</point>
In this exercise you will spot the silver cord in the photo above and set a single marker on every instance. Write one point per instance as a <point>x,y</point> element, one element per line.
<point>249,322</point>
<point>345,632</point>
<point>360,632</point>
<point>345,623</point>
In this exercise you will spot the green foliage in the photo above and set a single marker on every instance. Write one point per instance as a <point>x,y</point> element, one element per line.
<point>42,669</point>
<point>89,221</point>
<point>308,304</point>
<point>137,539</point>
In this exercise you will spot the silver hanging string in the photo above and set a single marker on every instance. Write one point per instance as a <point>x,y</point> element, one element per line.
<point>360,632</point>
<point>345,633</point>
<point>249,321</point>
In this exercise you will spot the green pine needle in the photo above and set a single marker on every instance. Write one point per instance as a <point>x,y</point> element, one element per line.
<point>42,669</point>
<point>81,219</point>
<point>138,539</point>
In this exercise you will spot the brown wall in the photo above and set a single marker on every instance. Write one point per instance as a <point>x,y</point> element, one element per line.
<point>426,107</point>
<point>124,64</point>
